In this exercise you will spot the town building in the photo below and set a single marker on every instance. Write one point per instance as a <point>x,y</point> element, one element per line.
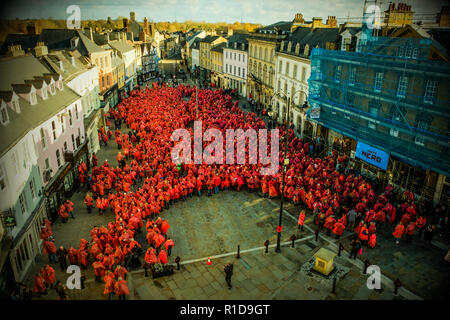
<point>387,107</point>
<point>217,64</point>
<point>293,68</point>
<point>235,61</point>
<point>206,44</point>
<point>42,132</point>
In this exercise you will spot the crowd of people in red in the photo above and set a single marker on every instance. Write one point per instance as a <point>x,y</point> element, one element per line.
<point>147,181</point>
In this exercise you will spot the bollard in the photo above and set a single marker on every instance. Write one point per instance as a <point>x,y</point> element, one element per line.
<point>397,284</point>
<point>334,286</point>
<point>82,279</point>
<point>293,240</point>
<point>366,265</point>
<point>238,252</point>
<point>317,234</point>
<point>266,244</point>
<point>177,261</point>
<point>341,247</point>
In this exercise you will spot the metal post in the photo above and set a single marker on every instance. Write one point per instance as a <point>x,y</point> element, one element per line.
<point>177,260</point>
<point>238,252</point>
<point>334,286</point>
<point>266,244</point>
<point>278,249</point>
<point>293,238</point>
<point>366,265</point>
<point>341,247</point>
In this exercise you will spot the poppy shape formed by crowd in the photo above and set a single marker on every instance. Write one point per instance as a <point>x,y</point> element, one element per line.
<point>147,181</point>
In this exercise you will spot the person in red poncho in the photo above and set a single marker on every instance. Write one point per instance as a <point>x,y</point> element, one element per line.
<point>109,284</point>
<point>121,289</point>
<point>372,240</point>
<point>99,270</point>
<point>62,212</point>
<point>48,273</point>
<point>338,229</point>
<point>410,230</point>
<point>89,201</point>
<point>39,285</point>
<point>50,249</point>
<point>301,220</point>
<point>162,257</point>
<point>398,233</point>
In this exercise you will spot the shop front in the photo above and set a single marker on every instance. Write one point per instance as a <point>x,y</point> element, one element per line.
<point>109,97</point>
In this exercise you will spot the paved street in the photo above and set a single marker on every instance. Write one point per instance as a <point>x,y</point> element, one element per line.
<point>214,227</point>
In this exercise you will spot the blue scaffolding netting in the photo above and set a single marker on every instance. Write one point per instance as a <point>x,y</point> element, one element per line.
<point>388,94</point>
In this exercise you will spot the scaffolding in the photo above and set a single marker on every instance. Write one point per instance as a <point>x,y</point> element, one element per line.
<point>388,95</point>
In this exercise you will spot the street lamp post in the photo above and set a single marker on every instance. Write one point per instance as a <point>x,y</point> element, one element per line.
<point>285,164</point>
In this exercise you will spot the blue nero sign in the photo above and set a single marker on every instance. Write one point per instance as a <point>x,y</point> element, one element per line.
<point>372,155</point>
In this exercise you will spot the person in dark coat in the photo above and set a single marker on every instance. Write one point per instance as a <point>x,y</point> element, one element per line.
<point>228,273</point>
<point>429,233</point>
<point>61,253</point>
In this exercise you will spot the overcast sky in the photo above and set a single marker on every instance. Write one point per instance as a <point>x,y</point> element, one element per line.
<point>254,11</point>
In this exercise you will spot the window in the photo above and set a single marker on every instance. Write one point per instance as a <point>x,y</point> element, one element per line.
<point>65,146</point>
<point>352,76</point>
<point>402,86</point>
<point>396,116</point>
<point>4,115</point>
<point>52,88</point>
<point>337,73</point>
<point>303,74</point>
<point>33,98</point>
<point>73,142</point>
<point>280,66</point>
<point>422,125</point>
<point>32,189</point>
<point>378,82</point>
<point>295,72</point>
<point>400,52</point>
<point>287,69</point>
<point>373,112</point>
<point>70,117</point>
<point>23,206</point>
<point>58,158</point>
<point>408,51</point>
<point>2,178</point>
<point>430,91</point>
<point>415,53</point>
<point>239,71</point>
<point>234,70</point>
<point>239,57</point>
<point>47,163</point>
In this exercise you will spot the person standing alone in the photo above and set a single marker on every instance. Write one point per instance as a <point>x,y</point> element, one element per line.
<point>228,273</point>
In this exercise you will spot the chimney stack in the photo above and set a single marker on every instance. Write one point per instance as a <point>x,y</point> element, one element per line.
<point>40,49</point>
<point>331,22</point>
<point>316,22</point>
<point>15,51</point>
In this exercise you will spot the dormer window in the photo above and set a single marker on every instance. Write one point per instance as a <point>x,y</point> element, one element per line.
<point>4,114</point>
<point>33,98</point>
<point>52,89</point>
<point>15,106</point>
<point>60,85</point>
<point>44,93</point>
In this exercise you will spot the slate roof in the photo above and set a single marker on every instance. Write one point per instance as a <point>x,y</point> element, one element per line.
<point>121,46</point>
<point>58,39</point>
<point>283,25</point>
<point>15,71</point>
<point>219,47</point>
<point>313,38</point>
<point>27,41</point>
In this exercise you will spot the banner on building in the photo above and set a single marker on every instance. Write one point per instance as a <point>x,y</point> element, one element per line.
<point>372,155</point>
<point>315,112</point>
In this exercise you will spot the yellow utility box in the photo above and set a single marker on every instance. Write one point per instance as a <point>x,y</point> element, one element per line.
<point>324,261</point>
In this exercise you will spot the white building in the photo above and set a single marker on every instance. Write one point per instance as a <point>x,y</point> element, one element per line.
<point>292,71</point>
<point>40,118</point>
<point>195,54</point>
<point>235,59</point>
<point>82,77</point>
<point>128,54</point>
